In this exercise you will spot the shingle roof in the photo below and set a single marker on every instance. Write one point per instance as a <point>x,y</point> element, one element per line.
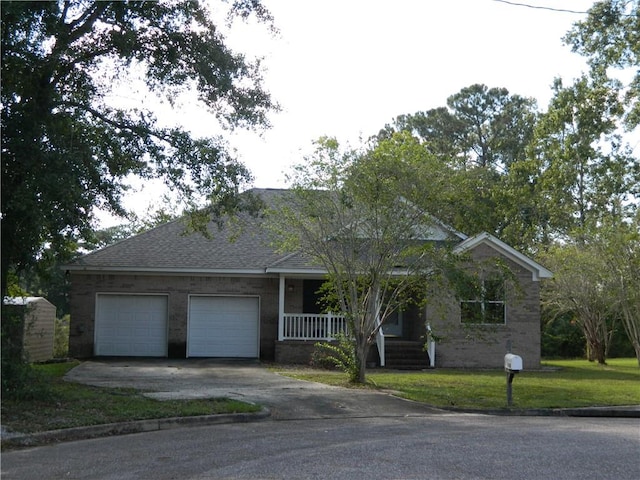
<point>168,248</point>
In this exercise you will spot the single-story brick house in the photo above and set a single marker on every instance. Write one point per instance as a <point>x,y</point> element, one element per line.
<point>166,294</point>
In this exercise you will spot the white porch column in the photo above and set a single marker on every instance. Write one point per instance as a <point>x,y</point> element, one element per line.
<point>431,347</point>
<point>281,291</point>
<point>380,343</point>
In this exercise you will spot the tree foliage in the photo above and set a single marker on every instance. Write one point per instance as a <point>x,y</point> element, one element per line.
<point>481,138</point>
<point>66,149</point>
<point>610,38</point>
<point>581,287</point>
<point>480,127</point>
<point>356,214</point>
<point>597,283</point>
<point>618,245</point>
<point>584,172</point>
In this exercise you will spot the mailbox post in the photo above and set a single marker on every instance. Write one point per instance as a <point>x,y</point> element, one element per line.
<point>512,365</point>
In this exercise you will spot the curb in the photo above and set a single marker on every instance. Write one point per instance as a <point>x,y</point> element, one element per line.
<point>125,428</point>
<point>140,426</point>
<point>599,412</point>
<point>595,412</point>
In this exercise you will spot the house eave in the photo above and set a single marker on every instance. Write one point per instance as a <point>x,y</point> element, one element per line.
<point>88,270</point>
<point>295,271</point>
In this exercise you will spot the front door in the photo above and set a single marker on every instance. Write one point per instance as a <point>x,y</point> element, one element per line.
<point>392,326</point>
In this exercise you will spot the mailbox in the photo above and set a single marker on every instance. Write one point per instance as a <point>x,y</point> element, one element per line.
<point>512,363</point>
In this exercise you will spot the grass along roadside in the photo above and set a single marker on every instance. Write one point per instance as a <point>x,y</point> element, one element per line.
<point>559,384</point>
<point>67,404</point>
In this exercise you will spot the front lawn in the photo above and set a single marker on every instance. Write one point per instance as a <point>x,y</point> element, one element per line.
<point>65,404</point>
<point>559,384</point>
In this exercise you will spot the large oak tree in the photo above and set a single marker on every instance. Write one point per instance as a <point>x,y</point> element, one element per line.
<point>67,149</point>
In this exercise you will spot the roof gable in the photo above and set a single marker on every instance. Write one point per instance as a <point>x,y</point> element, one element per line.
<point>537,271</point>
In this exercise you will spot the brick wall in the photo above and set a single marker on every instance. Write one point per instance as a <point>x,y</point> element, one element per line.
<point>461,345</point>
<point>177,288</point>
<point>299,352</point>
<point>484,346</point>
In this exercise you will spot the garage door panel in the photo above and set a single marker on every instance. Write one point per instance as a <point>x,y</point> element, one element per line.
<point>131,325</point>
<point>223,327</point>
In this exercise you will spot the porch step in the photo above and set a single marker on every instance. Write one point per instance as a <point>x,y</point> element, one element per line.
<point>405,355</point>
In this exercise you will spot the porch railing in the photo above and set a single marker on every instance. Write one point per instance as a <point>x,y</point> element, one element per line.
<point>311,326</point>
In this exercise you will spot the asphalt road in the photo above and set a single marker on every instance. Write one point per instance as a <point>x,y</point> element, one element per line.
<point>437,446</point>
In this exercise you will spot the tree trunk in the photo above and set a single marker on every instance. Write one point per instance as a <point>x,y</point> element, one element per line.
<point>362,352</point>
<point>597,351</point>
<point>596,344</point>
<point>631,324</point>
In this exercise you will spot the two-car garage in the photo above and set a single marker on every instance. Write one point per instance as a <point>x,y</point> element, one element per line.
<point>137,325</point>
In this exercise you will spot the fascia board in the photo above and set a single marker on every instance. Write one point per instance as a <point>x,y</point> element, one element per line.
<point>163,271</point>
<point>310,271</point>
<point>296,271</point>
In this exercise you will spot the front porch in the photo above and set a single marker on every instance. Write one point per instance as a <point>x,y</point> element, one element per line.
<point>399,354</point>
<point>399,344</point>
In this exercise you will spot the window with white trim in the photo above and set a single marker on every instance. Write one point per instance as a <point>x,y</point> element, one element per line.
<point>488,305</point>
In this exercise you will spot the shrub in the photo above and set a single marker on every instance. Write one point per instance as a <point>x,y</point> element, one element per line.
<point>340,354</point>
<point>61,337</point>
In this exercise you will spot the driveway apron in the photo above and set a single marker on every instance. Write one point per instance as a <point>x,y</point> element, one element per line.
<point>246,380</point>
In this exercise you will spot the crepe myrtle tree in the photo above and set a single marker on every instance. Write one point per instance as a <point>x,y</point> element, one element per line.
<point>356,213</point>
<point>67,147</point>
<point>618,244</point>
<point>582,287</point>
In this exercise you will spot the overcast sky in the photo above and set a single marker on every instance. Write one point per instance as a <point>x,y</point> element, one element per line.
<point>345,68</point>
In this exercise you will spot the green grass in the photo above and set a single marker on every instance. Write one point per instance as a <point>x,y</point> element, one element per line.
<point>66,405</point>
<point>559,384</point>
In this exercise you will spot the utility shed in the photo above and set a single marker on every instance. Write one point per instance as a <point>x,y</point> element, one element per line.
<point>37,316</point>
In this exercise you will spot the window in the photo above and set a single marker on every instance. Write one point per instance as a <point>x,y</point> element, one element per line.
<point>488,308</point>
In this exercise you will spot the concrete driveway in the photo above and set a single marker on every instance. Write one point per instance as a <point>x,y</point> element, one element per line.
<point>246,380</point>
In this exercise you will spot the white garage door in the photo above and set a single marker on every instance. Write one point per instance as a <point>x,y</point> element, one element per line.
<point>131,325</point>
<point>223,327</point>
